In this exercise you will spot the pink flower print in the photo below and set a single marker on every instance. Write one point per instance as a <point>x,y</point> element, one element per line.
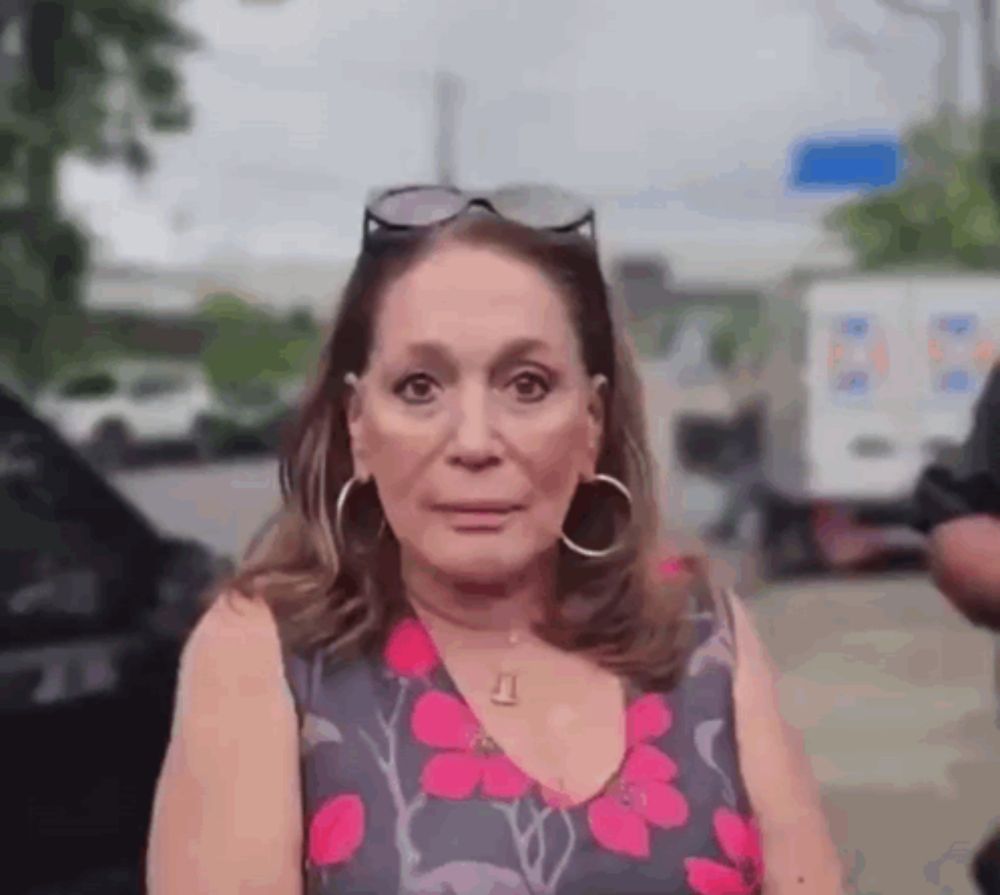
<point>740,841</point>
<point>673,567</point>
<point>337,830</point>
<point>442,721</point>
<point>554,798</point>
<point>639,795</point>
<point>648,718</point>
<point>409,651</point>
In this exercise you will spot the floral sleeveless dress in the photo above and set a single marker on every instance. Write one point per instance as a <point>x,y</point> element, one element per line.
<point>405,793</point>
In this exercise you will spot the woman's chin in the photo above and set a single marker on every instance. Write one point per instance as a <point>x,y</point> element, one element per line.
<point>481,561</point>
<point>486,571</point>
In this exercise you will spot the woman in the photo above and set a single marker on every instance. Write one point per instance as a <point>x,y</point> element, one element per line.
<point>453,666</point>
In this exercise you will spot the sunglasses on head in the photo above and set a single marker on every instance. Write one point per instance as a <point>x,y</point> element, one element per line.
<point>399,210</point>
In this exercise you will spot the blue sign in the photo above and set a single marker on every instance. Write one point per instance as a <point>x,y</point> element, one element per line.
<point>844,163</point>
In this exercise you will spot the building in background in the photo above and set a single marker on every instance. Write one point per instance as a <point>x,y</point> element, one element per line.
<point>646,285</point>
<point>641,283</point>
<point>658,306</point>
<point>142,289</point>
<point>155,310</point>
<point>172,292</point>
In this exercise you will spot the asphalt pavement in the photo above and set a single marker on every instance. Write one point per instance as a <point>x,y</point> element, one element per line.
<point>222,504</point>
<point>893,692</point>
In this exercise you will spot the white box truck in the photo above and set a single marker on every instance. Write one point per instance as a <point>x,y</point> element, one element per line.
<point>868,378</point>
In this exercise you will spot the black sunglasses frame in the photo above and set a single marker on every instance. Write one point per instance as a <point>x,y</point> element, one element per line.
<point>484,201</point>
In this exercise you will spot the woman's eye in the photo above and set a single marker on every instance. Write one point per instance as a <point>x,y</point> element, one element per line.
<point>531,387</point>
<point>416,389</point>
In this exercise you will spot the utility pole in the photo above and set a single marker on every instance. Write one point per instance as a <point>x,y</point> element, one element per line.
<point>990,74</point>
<point>447,96</point>
<point>949,24</point>
<point>943,16</point>
<point>946,20</point>
<point>447,88</point>
<point>989,64</point>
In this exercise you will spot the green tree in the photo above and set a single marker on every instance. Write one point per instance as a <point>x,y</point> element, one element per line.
<point>652,332</point>
<point>249,343</point>
<point>225,308</point>
<point>96,79</point>
<point>942,213</point>
<point>302,319</point>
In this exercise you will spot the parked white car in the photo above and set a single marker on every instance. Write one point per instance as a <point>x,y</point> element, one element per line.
<point>109,412</point>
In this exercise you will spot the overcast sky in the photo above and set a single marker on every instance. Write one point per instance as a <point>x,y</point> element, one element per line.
<point>676,116</point>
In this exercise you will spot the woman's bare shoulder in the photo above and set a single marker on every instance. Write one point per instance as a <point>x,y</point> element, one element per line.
<point>231,768</point>
<point>232,658</point>
<point>237,628</point>
<point>233,616</point>
<point>778,774</point>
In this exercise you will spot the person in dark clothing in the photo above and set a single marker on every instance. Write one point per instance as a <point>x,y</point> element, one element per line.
<point>986,866</point>
<point>743,462</point>
<point>957,505</point>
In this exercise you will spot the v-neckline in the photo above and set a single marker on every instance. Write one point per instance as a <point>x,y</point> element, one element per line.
<point>629,695</point>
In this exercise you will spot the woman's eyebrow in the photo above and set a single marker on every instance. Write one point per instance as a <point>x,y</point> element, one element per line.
<point>435,351</point>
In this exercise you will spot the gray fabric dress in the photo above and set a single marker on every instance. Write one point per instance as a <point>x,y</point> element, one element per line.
<point>404,792</point>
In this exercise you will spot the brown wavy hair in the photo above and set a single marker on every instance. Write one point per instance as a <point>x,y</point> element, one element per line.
<point>620,610</point>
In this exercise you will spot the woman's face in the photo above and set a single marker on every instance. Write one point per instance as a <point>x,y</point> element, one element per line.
<point>476,417</point>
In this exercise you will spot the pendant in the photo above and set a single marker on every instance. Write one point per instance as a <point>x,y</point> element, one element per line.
<point>505,689</point>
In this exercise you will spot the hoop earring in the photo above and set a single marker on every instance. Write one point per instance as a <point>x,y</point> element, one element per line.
<point>617,545</point>
<point>342,496</point>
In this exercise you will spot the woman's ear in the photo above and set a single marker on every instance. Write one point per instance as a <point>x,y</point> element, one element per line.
<point>353,414</point>
<point>596,420</point>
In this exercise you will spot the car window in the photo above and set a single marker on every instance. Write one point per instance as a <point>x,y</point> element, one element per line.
<point>253,395</point>
<point>72,550</point>
<point>149,387</point>
<point>89,386</point>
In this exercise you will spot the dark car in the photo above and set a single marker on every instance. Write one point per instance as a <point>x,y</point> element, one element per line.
<point>95,604</point>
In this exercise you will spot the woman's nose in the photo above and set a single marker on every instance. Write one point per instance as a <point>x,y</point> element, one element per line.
<point>473,435</point>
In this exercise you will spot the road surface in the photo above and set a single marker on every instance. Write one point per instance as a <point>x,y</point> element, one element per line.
<point>893,693</point>
<point>221,504</point>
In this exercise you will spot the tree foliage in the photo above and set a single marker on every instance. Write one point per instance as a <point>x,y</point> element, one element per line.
<point>94,79</point>
<point>99,78</point>
<point>942,214</point>
<point>249,343</point>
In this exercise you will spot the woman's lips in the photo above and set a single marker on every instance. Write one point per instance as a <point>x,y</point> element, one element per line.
<point>477,517</point>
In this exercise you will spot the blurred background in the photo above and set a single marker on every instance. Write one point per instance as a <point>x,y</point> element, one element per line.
<point>798,213</point>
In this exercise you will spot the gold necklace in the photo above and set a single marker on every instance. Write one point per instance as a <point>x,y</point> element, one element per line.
<point>505,686</point>
<point>504,692</point>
